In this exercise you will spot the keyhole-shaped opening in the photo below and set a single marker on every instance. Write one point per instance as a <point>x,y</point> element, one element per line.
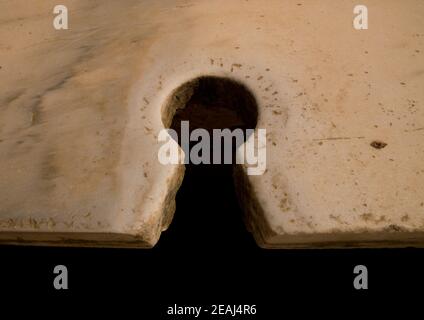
<point>208,212</point>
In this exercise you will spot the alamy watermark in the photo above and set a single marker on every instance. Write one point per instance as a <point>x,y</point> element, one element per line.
<point>251,153</point>
<point>60,21</point>
<point>60,282</point>
<point>360,22</point>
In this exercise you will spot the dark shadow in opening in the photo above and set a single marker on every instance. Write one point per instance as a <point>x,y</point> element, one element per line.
<point>208,213</point>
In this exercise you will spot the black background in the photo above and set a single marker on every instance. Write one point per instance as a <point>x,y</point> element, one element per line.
<point>207,257</point>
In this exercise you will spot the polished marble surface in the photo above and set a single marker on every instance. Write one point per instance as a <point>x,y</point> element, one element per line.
<point>80,110</point>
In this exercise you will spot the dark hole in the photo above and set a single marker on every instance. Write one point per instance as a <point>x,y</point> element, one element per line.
<point>208,213</point>
<point>378,144</point>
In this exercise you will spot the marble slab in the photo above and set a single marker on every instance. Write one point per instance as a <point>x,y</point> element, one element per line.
<point>80,111</point>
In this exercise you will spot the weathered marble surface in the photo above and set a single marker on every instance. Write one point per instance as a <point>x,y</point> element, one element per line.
<point>80,110</point>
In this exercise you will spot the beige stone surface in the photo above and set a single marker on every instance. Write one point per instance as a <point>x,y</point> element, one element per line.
<point>80,110</point>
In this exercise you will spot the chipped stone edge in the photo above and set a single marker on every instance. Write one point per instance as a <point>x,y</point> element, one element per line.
<point>267,238</point>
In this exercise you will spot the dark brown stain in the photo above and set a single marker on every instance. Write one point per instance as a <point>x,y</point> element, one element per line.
<point>378,144</point>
